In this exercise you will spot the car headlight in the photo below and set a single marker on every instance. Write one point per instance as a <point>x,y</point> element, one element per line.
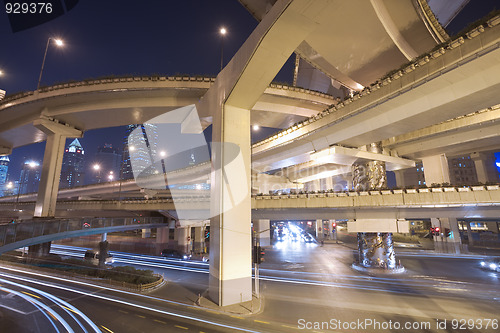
<point>493,266</point>
<point>482,263</point>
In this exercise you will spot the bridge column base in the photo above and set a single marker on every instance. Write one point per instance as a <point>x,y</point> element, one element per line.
<point>376,250</point>
<point>39,250</point>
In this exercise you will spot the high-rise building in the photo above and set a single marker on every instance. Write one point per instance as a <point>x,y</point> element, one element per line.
<point>109,161</point>
<point>4,169</point>
<point>30,177</point>
<point>462,171</point>
<point>72,171</point>
<point>135,144</point>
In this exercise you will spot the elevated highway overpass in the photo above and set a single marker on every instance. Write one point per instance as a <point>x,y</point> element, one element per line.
<point>461,202</point>
<point>32,232</point>
<point>453,81</point>
<point>102,103</point>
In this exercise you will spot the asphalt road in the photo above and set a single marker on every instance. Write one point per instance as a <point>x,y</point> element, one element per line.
<point>303,286</point>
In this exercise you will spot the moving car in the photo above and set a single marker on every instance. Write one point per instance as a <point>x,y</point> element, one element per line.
<point>170,253</point>
<point>492,264</point>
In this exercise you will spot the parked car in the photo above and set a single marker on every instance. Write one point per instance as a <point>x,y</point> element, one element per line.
<point>169,253</point>
<point>492,264</point>
<point>93,257</point>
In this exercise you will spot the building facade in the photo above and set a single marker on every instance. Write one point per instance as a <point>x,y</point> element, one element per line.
<point>73,166</point>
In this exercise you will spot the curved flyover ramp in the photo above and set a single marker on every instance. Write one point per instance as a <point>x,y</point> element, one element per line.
<point>32,232</point>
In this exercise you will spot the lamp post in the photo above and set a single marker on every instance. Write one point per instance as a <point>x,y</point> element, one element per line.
<point>97,168</point>
<point>31,165</point>
<point>59,43</point>
<point>222,32</point>
<point>165,180</point>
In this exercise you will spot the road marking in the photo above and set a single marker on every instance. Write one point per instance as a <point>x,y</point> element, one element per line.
<point>260,321</point>
<point>287,326</point>
<point>214,312</point>
<point>69,309</point>
<point>123,311</point>
<point>15,310</point>
<point>237,317</point>
<point>107,329</point>
<point>52,315</point>
<point>159,321</point>
<point>27,293</point>
<point>182,327</point>
<point>140,316</point>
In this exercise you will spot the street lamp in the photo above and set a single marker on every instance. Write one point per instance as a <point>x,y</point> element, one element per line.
<point>31,165</point>
<point>255,127</point>
<point>58,43</point>
<point>97,168</point>
<point>223,33</point>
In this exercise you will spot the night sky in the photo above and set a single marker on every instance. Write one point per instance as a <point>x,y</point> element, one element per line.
<point>128,37</point>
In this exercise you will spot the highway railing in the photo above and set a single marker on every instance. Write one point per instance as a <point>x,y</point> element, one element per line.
<point>30,232</point>
<point>435,196</point>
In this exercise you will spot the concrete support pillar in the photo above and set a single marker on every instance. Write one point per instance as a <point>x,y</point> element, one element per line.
<point>199,240</point>
<point>319,229</point>
<point>146,233</point>
<point>328,183</point>
<point>39,250</point>
<point>176,234</point>
<point>469,234</point>
<point>230,279</point>
<point>492,226</point>
<point>52,163</point>
<point>436,170</point>
<point>400,178</point>
<point>485,167</point>
<point>183,239</point>
<point>316,185</point>
<point>445,244</point>
<point>375,249</point>
<point>229,101</point>
<point>262,231</point>
<point>162,235</point>
<point>103,253</point>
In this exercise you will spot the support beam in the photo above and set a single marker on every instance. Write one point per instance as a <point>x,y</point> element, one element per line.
<point>375,249</point>
<point>5,151</point>
<point>182,239</point>
<point>262,230</point>
<point>436,170</point>
<point>199,240</point>
<point>229,101</point>
<point>52,163</point>
<point>485,167</point>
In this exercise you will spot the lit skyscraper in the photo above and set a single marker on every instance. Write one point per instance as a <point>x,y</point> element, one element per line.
<point>72,171</point>
<point>109,161</point>
<point>4,169</point>
<point>131,143</point>
<point>30,177</point>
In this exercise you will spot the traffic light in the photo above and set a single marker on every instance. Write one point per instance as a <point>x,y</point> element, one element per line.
<point>258,255</point>
<point>447,232</point>
<point>207,233</point>
<point>261,255</point>
<point>434,231</point>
